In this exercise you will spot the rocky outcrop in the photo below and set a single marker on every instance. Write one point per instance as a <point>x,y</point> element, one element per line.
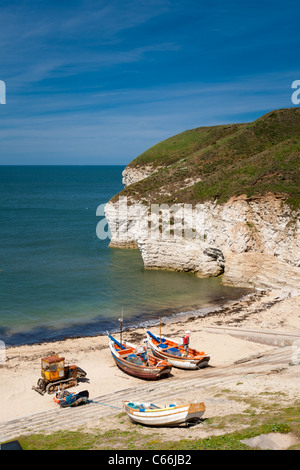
<point>184,255</point>
<point>261,270</point>
<point>133,175</point>
<point>254,242</point>
<point>252,239</point>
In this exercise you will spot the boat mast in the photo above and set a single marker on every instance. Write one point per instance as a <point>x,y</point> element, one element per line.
<point>121,325</point>
<point>160,327</point>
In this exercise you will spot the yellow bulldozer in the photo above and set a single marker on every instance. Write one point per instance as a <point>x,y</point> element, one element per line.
<point>56,376</point>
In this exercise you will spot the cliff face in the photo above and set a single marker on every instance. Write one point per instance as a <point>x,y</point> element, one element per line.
<point>253,240</point>
<point>130,177</point>
<point>255,243</point>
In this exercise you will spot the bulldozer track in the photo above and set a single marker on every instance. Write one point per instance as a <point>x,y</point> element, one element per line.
<point>62,384</point>
<point>163,390</point>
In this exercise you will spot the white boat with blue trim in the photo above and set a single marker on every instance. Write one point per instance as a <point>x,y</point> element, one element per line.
<point>165,348</point>
<point>157,415</point>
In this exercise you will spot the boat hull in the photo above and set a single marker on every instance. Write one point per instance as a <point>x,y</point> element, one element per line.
<point>170,416</point>
<point>140,371</point>
<point>180,362</point>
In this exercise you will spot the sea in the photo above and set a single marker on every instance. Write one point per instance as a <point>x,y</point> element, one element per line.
<point>59,280</point>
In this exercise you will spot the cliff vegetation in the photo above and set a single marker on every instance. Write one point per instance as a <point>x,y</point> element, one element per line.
<point>216,163</point>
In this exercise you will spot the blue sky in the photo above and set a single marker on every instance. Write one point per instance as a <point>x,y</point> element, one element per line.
<point>99,82</point>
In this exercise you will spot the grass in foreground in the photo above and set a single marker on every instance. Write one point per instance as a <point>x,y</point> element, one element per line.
<point>282,420</point>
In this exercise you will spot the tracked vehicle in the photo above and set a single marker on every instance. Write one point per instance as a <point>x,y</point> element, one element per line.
<point>56,376</point>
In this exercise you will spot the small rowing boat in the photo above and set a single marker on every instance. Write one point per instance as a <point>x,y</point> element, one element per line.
<point>157,415</point>
<point>164,348</point>
<point>139,364</point>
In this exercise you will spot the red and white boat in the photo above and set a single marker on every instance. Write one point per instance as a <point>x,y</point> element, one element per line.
<point>175,353</point>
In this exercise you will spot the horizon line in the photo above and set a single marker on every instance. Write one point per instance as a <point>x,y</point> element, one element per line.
<point>62,164</point>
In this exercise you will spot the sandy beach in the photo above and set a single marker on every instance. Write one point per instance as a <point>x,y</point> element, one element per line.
<point>21,368</point>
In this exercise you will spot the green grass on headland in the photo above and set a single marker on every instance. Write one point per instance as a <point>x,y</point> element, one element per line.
<point>253,159</point>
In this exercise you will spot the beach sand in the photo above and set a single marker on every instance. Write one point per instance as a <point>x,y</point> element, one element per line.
<point>21,367</point>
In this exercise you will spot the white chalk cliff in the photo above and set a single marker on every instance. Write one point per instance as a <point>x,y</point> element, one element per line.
<point>251,242</point>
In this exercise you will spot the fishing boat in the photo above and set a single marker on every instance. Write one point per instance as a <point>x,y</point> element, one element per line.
<point>164,348</point>
<point>170,415</point>
<point>139,364</point>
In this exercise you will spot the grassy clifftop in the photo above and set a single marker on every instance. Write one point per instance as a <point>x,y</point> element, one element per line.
<point>223,161</point>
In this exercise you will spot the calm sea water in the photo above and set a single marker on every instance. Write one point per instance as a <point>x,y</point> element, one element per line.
<point>57,279</point>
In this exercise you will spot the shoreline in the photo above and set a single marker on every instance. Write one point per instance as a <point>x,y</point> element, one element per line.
<point>21,368</point>
<point>167,316</point>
